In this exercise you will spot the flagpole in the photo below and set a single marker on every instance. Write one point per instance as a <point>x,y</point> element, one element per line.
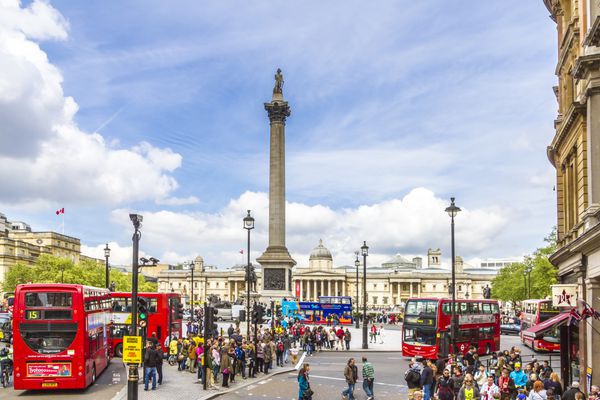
<point>63,222</point>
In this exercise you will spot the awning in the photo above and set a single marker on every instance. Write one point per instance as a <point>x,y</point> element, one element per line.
<point>538,329</point>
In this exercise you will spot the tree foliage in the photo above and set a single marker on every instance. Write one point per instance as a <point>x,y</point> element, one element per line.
<point>512,281</point>
<point>51,269</point>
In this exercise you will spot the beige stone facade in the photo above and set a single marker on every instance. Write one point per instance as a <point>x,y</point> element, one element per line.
<point>18,244</point>
<point>388,285</point>
<point>575,153</point>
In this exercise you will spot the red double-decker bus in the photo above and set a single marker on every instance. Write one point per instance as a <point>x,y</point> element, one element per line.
<point>60,335</point>
<point>426,328</point>
<point>540,322</point>
<point>162,310</point>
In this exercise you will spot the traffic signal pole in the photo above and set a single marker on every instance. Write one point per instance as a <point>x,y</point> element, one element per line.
<point>204,365</point>
<point>133,378</point>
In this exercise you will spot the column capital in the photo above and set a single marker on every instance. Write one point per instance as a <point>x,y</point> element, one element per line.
<point>278,111</point>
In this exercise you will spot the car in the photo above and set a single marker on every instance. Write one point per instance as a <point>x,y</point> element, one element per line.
<point>511,328</point>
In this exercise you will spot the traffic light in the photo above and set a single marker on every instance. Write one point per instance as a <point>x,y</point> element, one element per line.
<point>210,325</point>
<point>179,310</point>
<point>278,311</point>
<point>242,315</point>
<point>255,315</point>
<point>142,308</point>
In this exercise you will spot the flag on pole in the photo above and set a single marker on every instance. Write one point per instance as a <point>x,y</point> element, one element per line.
<point>241,251</point>
<point>588,311</point>
<point>574,317</point>
<point>60,211</point>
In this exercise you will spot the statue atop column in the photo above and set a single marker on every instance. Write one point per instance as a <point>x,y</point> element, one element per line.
<point>278,82</point>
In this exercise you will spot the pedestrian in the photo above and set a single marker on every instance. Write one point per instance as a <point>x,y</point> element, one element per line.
<point>519,377</point>
<point>192,357</point>
<point>570,393</point>
<point>554,383</point>
<point>426,380</point>
<point>225,367</point>
<point>468,391</point>
<point>506,385</point>
<point>418,395</point>
<point>381,333</point>
<point>260,356</point>
<point>159,363</point>
<point>445,387</point>
<point>347,338</point>
<point>267,357</point>
<point>230,331</point>
<point>216,364</point>
<point>150,361</point>
<point>481,376</point>
<point>413,379</point>
<point>351,376</point>
<point>373,337</point>
<point>304,390</point>
<point>368,373</point>
<point>199,358</point>
<point>538,392</point>
<point>279,353</point>
<point>489,390</point>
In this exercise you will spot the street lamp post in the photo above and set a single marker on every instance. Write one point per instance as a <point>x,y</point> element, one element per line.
<point>365,252</point>
<point>527,285</point>
<point>248,225</point>
<point>107,268</point>
<point>452,211</point>
<point>133,379</point>
<point>357,264</point>
<point>191,266</point>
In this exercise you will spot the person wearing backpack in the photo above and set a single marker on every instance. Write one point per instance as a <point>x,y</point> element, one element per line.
<point>279,353</point>
<point>413,379</point>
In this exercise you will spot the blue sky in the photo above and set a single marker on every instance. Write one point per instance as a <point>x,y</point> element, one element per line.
<point>396,106</point>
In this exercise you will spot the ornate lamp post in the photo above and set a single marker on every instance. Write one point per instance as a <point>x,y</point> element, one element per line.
<point>107,268</point>
<point>527,274</point>
<point>132,381</point>
<point>365,252</point>
<point>191,265</point>
<point>248,225</point>
<point>357,264</point>
<point>452,211</point>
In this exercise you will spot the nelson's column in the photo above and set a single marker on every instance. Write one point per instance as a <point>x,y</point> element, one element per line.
<point>276,261</point>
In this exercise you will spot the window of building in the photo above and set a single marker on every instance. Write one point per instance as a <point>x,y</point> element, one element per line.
<point>385,300</point>
<point>405,286</point>
<point>374,286</point>
<point>434,287</point>
<point>374,299</point>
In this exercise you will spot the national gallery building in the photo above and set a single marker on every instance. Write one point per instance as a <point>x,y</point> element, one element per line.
<point>388,285</point>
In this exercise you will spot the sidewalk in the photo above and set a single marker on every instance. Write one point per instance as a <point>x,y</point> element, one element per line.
<point>183,385</point>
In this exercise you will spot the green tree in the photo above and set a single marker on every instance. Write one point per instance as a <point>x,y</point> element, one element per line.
<point>51,269</point>
<point>512,281</point>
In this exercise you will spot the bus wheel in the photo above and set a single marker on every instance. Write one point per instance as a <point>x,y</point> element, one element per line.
<point>119,350</point>
<point>487,349</point>
<point>94,373</point>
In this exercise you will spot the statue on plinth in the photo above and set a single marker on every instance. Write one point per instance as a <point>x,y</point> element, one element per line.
<point>278,82</point>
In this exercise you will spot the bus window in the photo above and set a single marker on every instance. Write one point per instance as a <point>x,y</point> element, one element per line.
<point>486,308</point>
<point>463,308</point>
<point>475,308</point>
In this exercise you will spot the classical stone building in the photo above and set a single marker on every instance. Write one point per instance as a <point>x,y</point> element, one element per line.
<point>575,153</point>
<point>19,244</point>
<point>388,285</point>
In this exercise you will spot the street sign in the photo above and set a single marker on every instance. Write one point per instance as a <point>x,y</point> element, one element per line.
<point>132,349</point>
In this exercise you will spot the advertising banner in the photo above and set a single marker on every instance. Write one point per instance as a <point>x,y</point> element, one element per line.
<point>298,290</point>
<point>48,369</point>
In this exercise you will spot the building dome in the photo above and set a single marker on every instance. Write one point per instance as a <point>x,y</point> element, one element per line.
<point>320,253</point>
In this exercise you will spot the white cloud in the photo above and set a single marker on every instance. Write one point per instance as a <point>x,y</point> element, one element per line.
<point>408,225</point>
<point>43,152</point>
<point>178,201</point>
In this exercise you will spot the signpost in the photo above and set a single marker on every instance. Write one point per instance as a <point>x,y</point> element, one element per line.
<point>132,349</point>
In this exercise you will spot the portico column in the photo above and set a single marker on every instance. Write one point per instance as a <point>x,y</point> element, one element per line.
<point>411,289</point>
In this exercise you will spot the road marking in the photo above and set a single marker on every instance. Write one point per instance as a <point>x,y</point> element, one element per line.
<point>300,361</point>
<point>344,379</point>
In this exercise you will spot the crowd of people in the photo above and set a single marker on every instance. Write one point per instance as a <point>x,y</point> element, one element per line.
<point>505,377</point>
